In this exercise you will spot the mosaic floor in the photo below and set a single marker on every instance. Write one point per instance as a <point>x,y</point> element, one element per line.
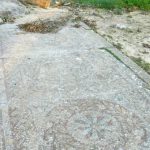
<point>64,91</point>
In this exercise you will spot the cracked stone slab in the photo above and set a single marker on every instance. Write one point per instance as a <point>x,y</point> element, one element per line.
<point>65,91</point>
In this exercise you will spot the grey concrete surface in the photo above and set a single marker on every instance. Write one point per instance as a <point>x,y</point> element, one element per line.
<point>69,91</point>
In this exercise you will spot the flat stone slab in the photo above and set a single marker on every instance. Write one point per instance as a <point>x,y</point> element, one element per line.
<point>68,91</point>
<point>13,7</point>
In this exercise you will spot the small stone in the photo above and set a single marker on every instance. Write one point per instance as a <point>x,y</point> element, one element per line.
<point>146,42</point>
<point>1,21</point>
<point>118,11</point>
<point>120,26</point>
<point>146,45</point>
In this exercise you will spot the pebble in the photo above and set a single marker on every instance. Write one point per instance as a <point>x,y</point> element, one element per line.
<point>1,21</point>
<point>120,26</point>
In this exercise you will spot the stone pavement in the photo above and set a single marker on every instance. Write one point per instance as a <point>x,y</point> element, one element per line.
<point>70,90</point>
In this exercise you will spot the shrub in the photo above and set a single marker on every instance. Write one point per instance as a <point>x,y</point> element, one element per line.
<point>111,4</point>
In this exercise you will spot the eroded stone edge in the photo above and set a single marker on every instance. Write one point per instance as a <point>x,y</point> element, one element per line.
<point>6,141</point>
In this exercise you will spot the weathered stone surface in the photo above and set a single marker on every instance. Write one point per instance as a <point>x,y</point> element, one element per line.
<point>67,91</point>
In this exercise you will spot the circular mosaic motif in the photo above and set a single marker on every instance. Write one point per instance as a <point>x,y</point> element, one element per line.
<point>91,124</point>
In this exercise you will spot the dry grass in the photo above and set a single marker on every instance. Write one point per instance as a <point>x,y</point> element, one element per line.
<point>142,64</point>
<point>44,26</point>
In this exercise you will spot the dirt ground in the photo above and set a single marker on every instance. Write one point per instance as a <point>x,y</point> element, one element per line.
<point>129,32</point>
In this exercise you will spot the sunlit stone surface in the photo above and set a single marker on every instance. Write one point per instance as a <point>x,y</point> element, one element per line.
<point>64,91</point>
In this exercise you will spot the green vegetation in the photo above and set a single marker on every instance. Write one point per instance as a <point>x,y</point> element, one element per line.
<point>142,64</point>
<point>112,4</point>
<point>113,54</point>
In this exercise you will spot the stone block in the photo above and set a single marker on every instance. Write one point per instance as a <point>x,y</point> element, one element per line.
<point>40,3</point>
<point>1,21</point>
